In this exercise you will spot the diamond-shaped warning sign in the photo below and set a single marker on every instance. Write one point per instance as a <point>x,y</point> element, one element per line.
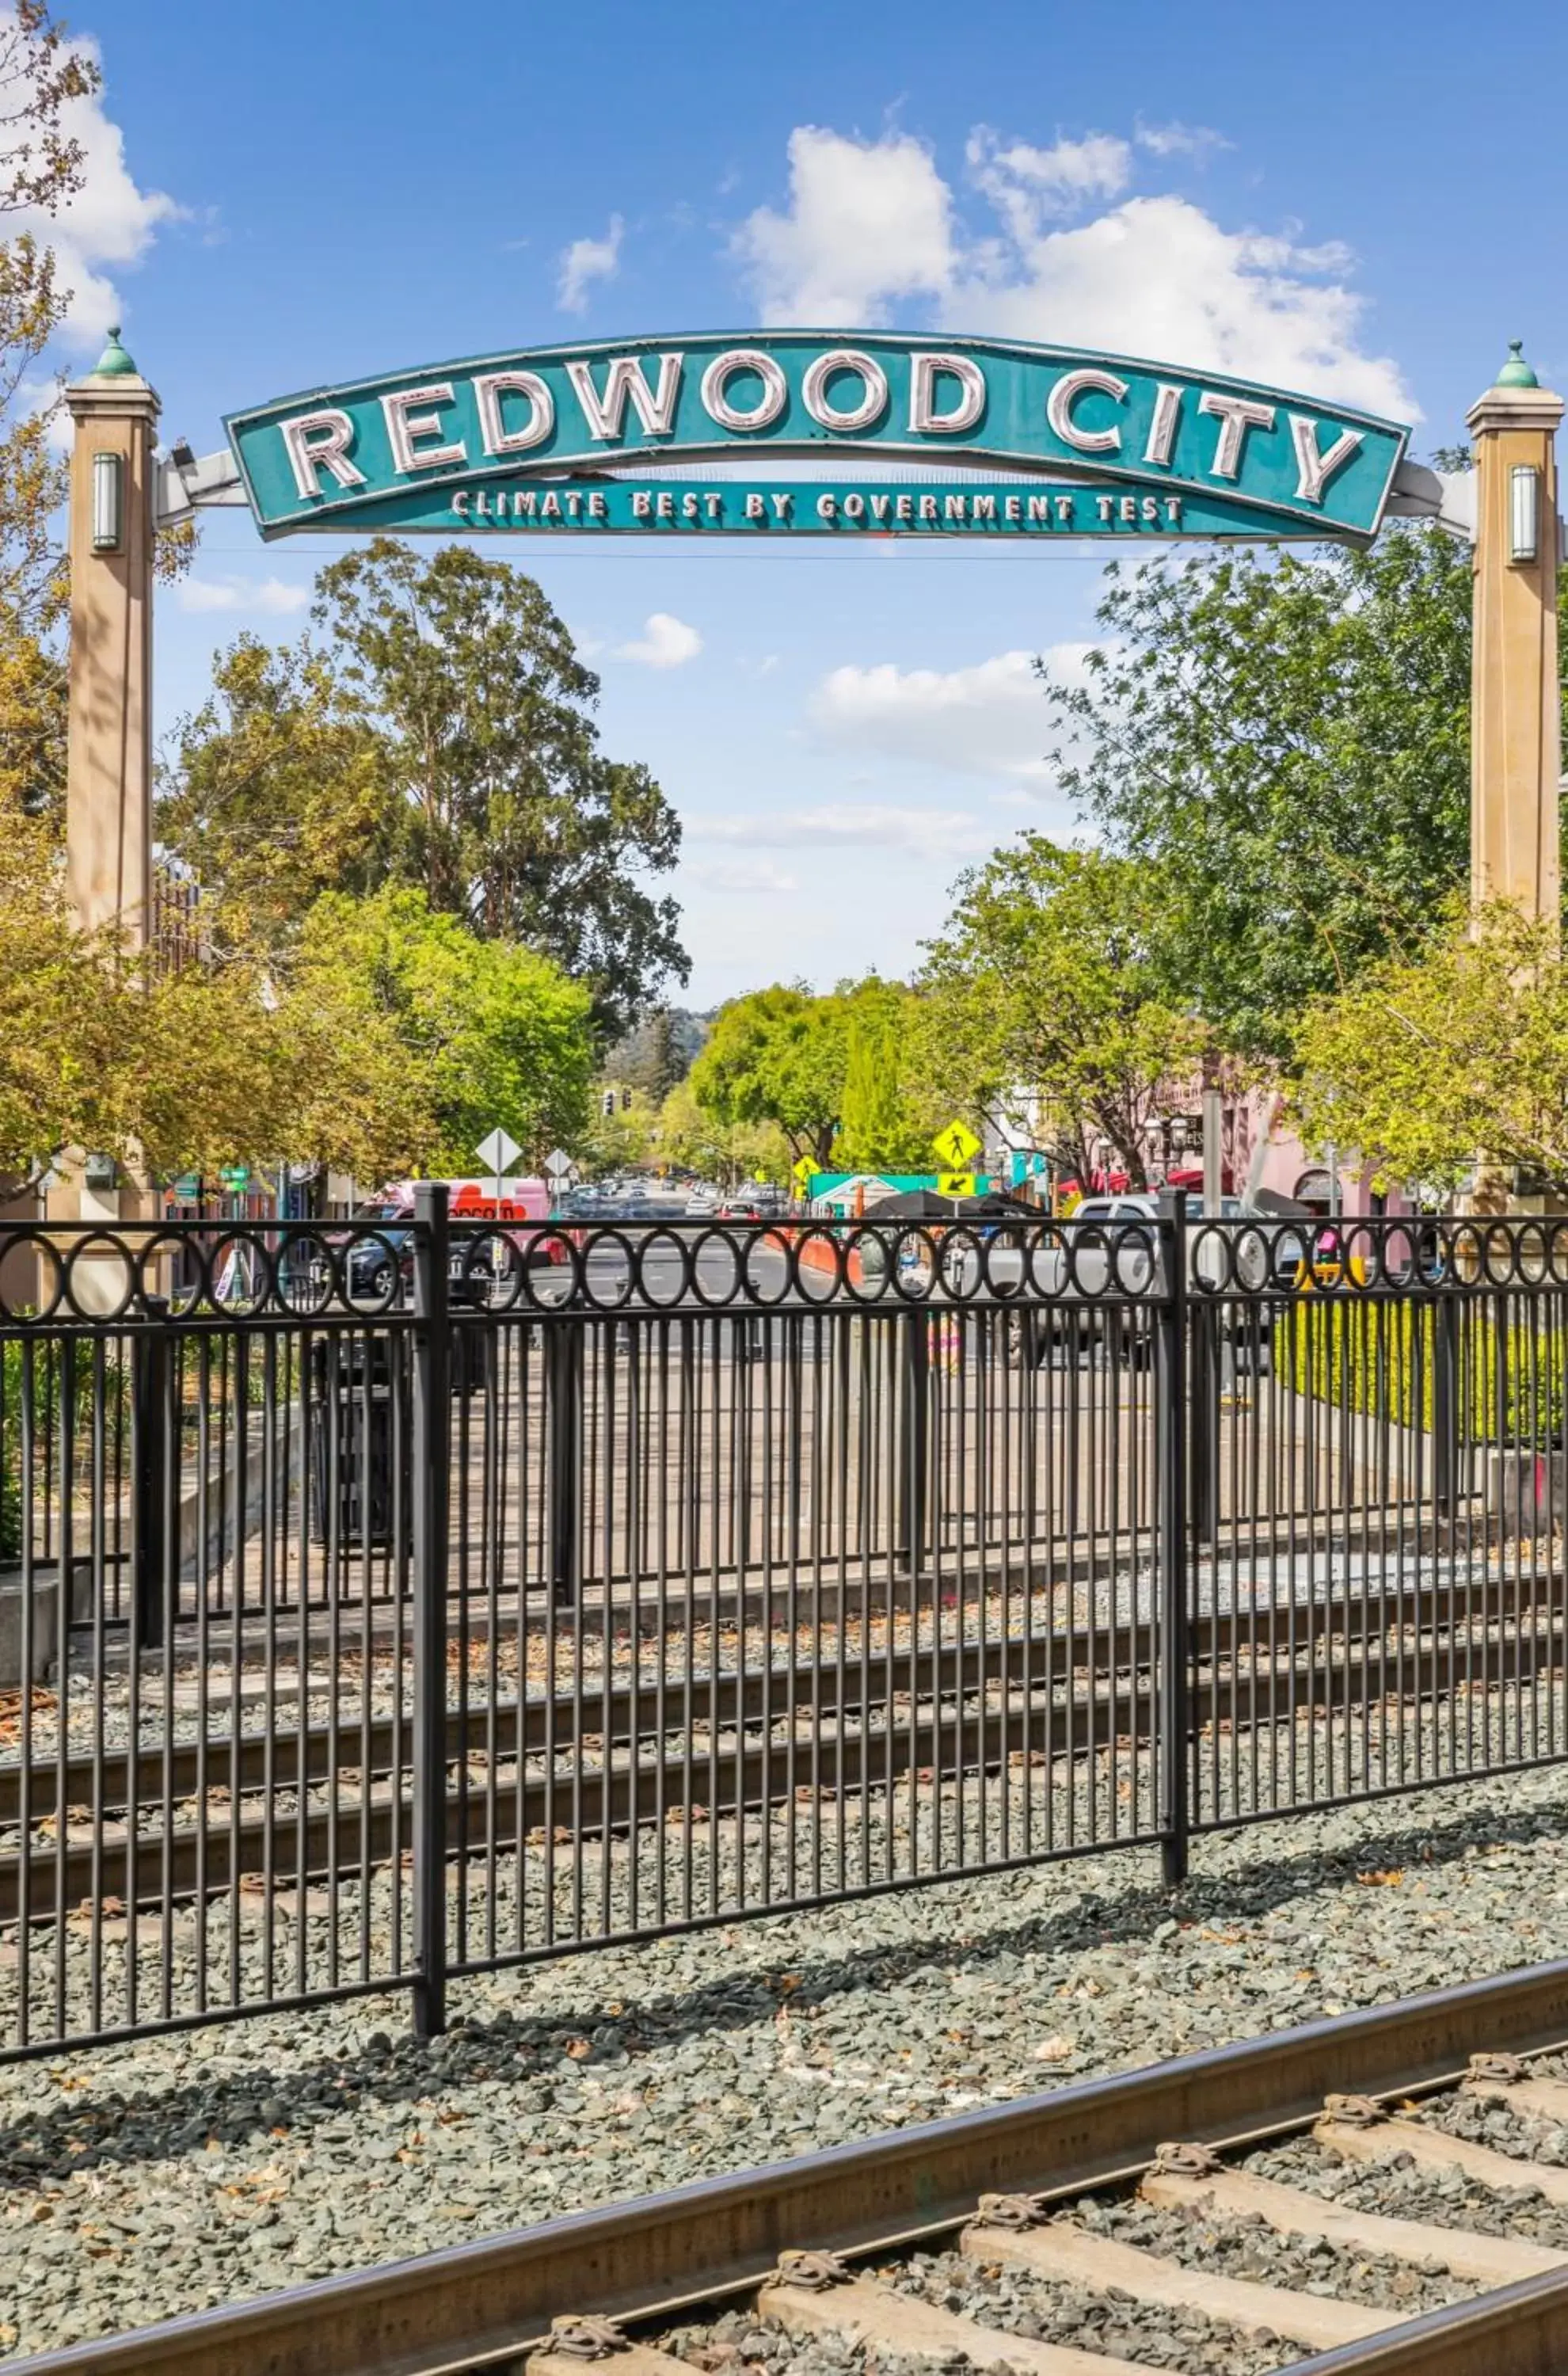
<point>956,1145</point>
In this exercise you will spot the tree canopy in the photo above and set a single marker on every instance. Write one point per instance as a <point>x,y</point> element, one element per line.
<point>489,1031</point>
<point>835,1074</point>
<point>103,1049</point>
<point>42,166</point>
<point>436,732</point>
<point>1435,1057</point>
<point>887,1116</point>
<point>1286,740</point>
<point>1052,979</point>
<point>687,1134</point>
<point>275,795</point>
<point>776,1055</point>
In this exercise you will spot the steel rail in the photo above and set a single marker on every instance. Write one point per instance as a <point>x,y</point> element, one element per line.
<point>240,1761</point>
<point>479,2304</point>
<point>621,1792</point>
<point>1518,2330</point>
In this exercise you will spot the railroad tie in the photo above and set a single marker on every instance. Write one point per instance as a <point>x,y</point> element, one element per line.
<point>1360,2130</point>
<point>811,2293</point>
<point>1504,2079</point>
<point>1078,2256</point>
<point>1289,2211</point>
<point>576,2343</point>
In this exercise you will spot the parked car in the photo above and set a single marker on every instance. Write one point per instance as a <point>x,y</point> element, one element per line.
<point>373,1266</point>
<point>1086,1276</point>
<point>475,1259</point>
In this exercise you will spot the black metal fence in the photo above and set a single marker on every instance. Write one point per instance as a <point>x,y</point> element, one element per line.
<point>384,1605</point>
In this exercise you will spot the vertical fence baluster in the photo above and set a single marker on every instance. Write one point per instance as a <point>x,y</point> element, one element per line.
<point>915,1438</point>
<point>433,1427</point>
<point>1172,1388</point>
<point>564,1388</point>
<point>150,1459</point>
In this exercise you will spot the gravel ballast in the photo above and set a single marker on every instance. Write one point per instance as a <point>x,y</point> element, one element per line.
<point>138,2182</point>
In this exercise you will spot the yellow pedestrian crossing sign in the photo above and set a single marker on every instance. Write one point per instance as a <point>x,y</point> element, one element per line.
<point>955,1183</point>
<point>803,1173</point>
<point>956,1145</point>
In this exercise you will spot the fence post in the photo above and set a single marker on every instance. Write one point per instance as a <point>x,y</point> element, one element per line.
<point>1171,1386</point>
<point>564,1388</point>
<point>433,1429</point>
<point>915,1436</point>
<point>149,1474</point>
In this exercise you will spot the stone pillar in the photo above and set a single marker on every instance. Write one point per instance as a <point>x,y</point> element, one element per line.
<point>109,761</point>
<point>109,769</point>
<point>1516,755</point>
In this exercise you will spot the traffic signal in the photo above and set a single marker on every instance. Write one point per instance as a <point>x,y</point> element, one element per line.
<point>625,1102</point>
<point>607,1102</point>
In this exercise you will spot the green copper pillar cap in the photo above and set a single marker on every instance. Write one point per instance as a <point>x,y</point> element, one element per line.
<point>115,363</point>
<point>1515,372</point>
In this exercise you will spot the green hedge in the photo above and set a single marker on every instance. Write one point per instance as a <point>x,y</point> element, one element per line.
<point>48,1386</point>
<point>1381,1358</point>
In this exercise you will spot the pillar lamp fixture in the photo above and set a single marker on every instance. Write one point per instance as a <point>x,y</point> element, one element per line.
<point>108,502</point>
<point>1524,512</point>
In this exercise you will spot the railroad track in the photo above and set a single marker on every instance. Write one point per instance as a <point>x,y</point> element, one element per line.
<point>1373,1629</point>
<point>869,1720</point>
<point>864,2247</point>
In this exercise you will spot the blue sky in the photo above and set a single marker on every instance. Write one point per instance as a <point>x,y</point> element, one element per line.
<point>1362,203</point>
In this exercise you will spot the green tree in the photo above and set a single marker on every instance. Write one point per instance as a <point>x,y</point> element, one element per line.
<point>436,734</point>
<point>887,1116</point>
<point>651,1056</point>
<point>621,1139</point>
<point>1287,737</point>
<point>778,1056</point>
<point>42,166</point>
<point>511,816</point>
<point>491,1032</point>
<point>1050,980</point>
<point>689,1138</point>
<point>275,796</point>
<point>1456,1051</point>
<point>102,1048</point>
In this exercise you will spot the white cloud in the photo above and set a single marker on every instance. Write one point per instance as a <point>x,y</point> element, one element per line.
<point>585,261</point>
<point>843,824</point>
<point>268,596</point>
<point>109,222</point>
<point>666,642</point>
<point>742,874</point>
<point>990,720</point>
<point>1159,277</point>
<point>1195,140</point>
<point>867,221</point>
<point>1055,180</point>
<point>870,224</point>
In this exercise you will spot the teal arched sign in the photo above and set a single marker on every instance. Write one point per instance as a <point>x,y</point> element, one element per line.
<point>913,436</point>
